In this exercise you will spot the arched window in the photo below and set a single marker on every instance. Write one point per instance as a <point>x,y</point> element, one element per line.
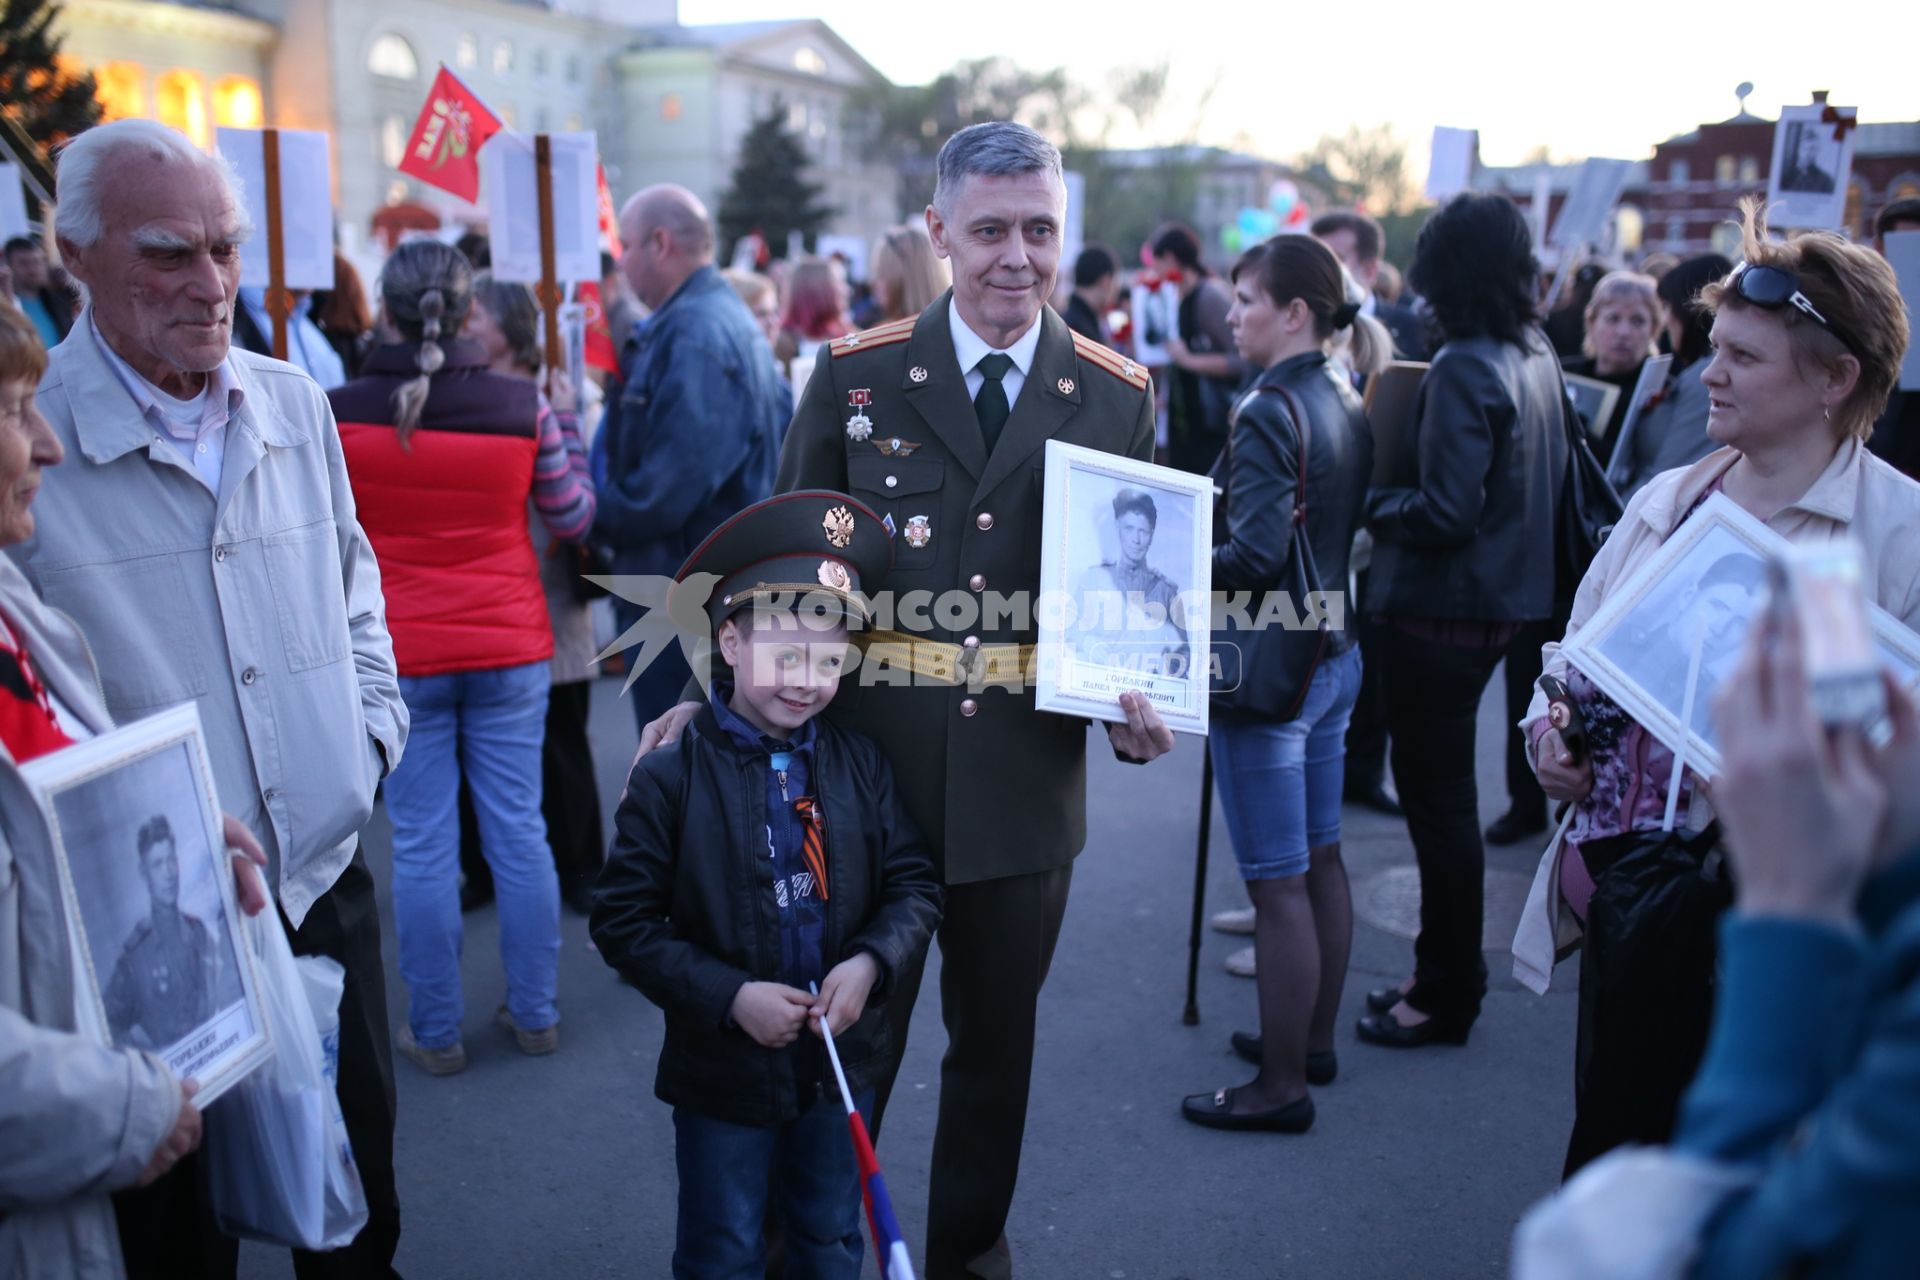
<point>121,88</point>
<point>237,104</point>
<point>393,57</point>
<point>467,52</point>
<point>180,100</point>
<point>393,140</point>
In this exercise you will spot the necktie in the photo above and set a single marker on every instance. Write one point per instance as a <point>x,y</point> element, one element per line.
<point>813,843</point>
<point>991,406</point>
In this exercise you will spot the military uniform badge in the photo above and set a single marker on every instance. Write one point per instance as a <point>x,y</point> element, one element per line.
<point>896,447</point>
<point>919,531</point>
<point>834,574</point>
<point>838,524</point>
<point>859,426</point>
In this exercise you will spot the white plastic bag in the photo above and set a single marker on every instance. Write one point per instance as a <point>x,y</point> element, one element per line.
<point>279,1165</point>
<point>1634,1214</point>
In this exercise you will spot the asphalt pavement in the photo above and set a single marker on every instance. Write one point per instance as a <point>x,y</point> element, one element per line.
<point>1418,1165</point>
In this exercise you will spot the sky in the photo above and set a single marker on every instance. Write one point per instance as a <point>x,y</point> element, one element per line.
<point>1609,79</point>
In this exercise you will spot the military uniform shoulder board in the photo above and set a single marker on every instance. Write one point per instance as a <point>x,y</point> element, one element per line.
<point>880,336</point>
<point>1128,371</point>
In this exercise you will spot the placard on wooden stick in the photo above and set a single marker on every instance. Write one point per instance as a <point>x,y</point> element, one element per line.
<point>286,183</point>
<point>543,217</point>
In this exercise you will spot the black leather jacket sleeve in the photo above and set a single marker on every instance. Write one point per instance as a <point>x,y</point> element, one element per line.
<point>1460,400</point>
<point>910,894</point>
<point>632,906</point>
<point>1262,465</point>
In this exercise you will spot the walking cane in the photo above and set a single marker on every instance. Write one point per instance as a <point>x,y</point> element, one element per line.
<point>1191,1017</point>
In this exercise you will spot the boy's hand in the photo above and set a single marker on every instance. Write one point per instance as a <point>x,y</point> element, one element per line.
<point>843,996</point>
<point>771,1012</point>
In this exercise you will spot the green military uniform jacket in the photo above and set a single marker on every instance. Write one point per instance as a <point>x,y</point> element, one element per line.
<point>999,788</point>
<point>163,983</point>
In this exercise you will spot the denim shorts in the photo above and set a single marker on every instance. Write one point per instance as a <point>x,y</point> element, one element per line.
<point>1281,783</point>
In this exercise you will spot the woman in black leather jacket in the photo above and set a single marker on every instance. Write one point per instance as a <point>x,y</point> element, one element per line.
<point>1463,557</point>
<point>1279,751</point>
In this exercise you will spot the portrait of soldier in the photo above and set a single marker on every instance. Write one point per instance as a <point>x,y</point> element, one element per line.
<point>1127,612</point>
<point>164,984</point>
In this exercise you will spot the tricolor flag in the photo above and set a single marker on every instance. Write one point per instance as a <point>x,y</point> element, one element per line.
<point>445,147</point>
<point>888,1245</point>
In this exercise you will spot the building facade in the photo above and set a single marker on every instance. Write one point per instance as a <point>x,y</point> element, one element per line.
<point>667,103</point>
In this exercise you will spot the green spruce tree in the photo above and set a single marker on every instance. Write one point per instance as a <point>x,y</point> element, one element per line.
<point>770,193</point>
<point>47,102</point>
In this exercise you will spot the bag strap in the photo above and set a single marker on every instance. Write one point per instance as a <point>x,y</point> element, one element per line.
<point>1301,432</point>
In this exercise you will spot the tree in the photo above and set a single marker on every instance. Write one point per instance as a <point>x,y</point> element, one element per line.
<point>47,100</point>
<point>770,194</point>
<point>1364,167</point>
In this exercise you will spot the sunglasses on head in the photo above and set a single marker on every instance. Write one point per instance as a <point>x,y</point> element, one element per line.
<point>1771,288</point>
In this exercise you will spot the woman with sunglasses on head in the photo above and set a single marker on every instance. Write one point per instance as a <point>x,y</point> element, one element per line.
<point>1807,337</point>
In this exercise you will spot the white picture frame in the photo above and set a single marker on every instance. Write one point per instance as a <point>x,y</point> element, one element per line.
<point>1595,401</point>
<point>1708,580</point>
<point>1653,376</point>
<point>112,804</point>
<point>1098,639</point>
<point>1807,180</point>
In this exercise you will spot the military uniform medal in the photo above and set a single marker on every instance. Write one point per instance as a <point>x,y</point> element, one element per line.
<point>859,426</point>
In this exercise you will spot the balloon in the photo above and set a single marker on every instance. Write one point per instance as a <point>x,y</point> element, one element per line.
<point>1283,197</point>
<point>1230,238</point>
<point>1298,216</point>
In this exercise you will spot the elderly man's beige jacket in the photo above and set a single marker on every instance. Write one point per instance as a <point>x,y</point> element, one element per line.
<point>263,607</point>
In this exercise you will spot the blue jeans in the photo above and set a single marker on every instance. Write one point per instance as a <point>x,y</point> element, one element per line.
<point>726,1172</point>
<point>489,724</point>
<point>1280,782</point>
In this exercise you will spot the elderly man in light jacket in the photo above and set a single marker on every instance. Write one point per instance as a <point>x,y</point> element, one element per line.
<point>202,534</point>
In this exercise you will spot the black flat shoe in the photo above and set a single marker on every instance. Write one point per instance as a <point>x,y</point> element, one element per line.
<point>1381,999</point>
<point>1376,799</point>
<point>1321,1067</point>
<point>1215,1111</point>
<point>1513,826</point>
<point>1384,1029</point>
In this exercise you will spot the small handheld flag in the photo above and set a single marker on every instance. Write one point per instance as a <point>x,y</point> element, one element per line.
<point>889,1247</point>
<point>445,147</point>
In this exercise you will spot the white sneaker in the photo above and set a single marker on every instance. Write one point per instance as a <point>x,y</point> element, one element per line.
<point>1240,921</point>
<point>1240,963</point>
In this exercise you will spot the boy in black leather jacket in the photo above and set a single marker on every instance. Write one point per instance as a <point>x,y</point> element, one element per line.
<point>764,852</point>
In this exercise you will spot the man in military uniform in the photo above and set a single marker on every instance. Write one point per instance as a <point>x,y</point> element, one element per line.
<point>163,986</point>
<point>940,423</point>
<point>1127,610</point>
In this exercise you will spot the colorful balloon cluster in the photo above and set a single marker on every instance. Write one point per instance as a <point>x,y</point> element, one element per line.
<point>1285,209</point>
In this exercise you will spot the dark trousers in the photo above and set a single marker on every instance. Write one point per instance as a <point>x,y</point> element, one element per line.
<point>1433,703</point>
<point>167,1231</point>
<point>1367,730</point>
<point>996,945</point>
<point>569,799</point>
<point>1523,669</point>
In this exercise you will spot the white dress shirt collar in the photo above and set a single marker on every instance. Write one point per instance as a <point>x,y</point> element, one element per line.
<point>969,346</point>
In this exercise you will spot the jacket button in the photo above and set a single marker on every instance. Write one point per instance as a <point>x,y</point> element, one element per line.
<point>984,521</point>
<point>978,582</point>
<point>270,794</point>
<point>892,481</point>
<point>971,642</point>
<point>968,707</point>
<point>220,553</point>
<point>249,676</point>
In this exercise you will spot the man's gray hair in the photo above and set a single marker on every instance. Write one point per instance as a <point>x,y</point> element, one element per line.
<point>85,170</point>
<point>997,149</point>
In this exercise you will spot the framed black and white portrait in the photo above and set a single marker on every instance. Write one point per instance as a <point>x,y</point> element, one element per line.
<point>1812,161</point>
<point>1126,569</point>
<point>151,906</point>
<point>1669,636</point>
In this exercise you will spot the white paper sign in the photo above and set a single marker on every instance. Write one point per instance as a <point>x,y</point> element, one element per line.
<point>1807,184</point>
<point>1589,205</point>
<point>513,207</point>
<point>852,248</point>
<point>306,205</point>
<point>1073,235</point>
<point>1903,254</point>
<point>1156,318</point>
<point>13,203</point>
<point>1450,170</point>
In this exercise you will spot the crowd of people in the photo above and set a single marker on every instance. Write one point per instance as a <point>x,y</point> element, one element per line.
<point>366,564</point>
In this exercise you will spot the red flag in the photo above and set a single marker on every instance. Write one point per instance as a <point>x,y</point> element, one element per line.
<point>602,351</point>
<point>609,220</point>
<point>445,147</point>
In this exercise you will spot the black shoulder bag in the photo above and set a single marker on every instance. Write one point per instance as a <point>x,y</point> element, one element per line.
<point>1266,673</point>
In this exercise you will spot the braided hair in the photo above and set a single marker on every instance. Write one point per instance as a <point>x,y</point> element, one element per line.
<point>427,288</point>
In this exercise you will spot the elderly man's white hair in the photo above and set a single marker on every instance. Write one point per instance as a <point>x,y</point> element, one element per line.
<point>86,165</point>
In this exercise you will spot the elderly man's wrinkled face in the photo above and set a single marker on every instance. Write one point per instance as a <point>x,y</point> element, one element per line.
<point>164,274</point>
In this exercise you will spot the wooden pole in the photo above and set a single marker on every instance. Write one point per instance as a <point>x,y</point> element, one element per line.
<point>1191,1014</point>
<point>279,299</point>
<point>548,292</point>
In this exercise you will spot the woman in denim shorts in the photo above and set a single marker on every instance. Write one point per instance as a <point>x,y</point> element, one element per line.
<point>1295,316</point>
